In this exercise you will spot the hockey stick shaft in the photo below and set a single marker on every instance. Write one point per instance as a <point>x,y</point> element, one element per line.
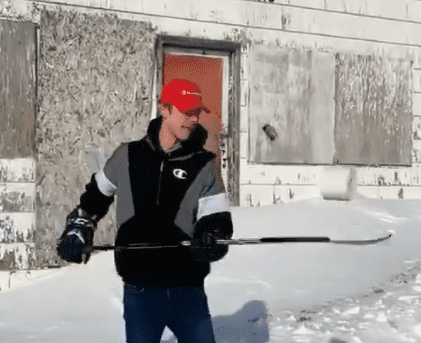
<point>245,241</point>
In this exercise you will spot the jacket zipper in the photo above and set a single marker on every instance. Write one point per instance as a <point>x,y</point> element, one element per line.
<point>159,182</point>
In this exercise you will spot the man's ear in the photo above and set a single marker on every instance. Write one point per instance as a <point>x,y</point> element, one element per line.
<point>164,111</point>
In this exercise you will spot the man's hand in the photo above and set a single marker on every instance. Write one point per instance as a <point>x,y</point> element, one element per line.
<point>204,247</point>
<point>77,235</point>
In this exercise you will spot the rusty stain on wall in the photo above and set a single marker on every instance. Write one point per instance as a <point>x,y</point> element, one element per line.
<point>17,88</point>
<point>373,115</point>
<point>292,94</point>
<point>95,79</point>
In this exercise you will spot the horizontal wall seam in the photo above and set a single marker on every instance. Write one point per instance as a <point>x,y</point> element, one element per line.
<point>374,185</point>
<point>342,13</point>
<point>279,184</point>
<point>19,181</point>
<point>15,212</point>
<point>232,25</point>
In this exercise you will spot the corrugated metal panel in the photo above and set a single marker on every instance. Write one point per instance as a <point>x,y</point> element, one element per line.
<point>373,110</point>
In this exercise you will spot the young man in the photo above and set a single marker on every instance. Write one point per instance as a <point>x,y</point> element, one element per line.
<point>168,189</point>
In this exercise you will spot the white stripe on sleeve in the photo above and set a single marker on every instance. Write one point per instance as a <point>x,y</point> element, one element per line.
<point>105,185</point>
<point>213,204</point>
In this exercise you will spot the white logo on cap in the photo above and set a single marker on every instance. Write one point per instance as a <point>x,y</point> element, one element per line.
<point>179,173</point>
<point>184,92</point>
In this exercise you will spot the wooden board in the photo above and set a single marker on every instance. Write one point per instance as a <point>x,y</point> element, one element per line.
<point>373,110</point>
<point>17,89</point>
<point>291,93</point>
<point>95,86</point>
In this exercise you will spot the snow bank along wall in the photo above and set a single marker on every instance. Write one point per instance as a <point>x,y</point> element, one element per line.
<point>311,83</point>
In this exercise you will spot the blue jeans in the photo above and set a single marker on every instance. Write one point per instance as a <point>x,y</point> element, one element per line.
<point>147,310</point>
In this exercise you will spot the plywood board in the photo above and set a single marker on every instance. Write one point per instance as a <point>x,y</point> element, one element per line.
<point>373,110</point>
<point>95,93</point>
<point>291,93</point>
<point>17,89</point>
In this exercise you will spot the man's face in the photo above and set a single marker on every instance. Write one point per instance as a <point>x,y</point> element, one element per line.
<point>181,124</point>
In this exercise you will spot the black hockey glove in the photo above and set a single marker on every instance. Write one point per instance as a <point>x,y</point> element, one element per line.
<point>77,235</point>
<point>204,247</point>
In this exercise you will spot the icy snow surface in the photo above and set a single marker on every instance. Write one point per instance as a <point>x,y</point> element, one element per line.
<point>291,292</point>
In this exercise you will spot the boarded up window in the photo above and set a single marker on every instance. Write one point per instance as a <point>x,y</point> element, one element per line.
<point>95,76</point>
<point>17,89</point>
<point>373,110</point>
<point>292,95</point>
<point>312,107</point>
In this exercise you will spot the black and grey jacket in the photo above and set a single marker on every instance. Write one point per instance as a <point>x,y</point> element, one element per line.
<point>161,197</point>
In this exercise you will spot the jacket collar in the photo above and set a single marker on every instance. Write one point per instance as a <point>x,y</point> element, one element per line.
<point>194,143</point>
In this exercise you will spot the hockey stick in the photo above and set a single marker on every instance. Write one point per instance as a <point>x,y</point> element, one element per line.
<point>244,241</point>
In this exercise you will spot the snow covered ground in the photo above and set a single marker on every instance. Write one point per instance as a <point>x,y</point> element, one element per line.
<point>293,292</point>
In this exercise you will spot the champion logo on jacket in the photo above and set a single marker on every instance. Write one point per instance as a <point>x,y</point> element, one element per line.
<point>180,174</point>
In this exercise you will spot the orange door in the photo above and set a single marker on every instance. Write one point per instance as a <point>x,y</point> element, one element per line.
<point>207,72</point>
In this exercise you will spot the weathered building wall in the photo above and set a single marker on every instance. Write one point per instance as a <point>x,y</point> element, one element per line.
<point>88,99</point>
<point>376,28</point>
<point>389,139</point>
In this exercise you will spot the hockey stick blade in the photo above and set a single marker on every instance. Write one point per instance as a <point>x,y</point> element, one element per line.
<point>245,241</point>
<point>362,242</point>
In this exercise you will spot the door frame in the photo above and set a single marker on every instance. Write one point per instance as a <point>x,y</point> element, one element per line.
<point>230,137</point>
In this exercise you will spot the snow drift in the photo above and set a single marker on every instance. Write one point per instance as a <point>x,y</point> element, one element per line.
<point>296,275</point>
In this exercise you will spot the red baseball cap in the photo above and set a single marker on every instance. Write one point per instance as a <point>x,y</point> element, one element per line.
<point>183,94</point>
